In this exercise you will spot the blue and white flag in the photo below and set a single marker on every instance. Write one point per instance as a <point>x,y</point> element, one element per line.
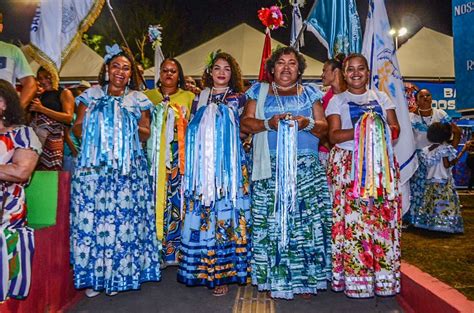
<point>379,50</point>
<point>296,25</point>
<point>337,26</point>
<point>57,29</point>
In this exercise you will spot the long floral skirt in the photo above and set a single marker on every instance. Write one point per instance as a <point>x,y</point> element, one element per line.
<point>365,236</point>
<point>304,265</point>
<point>417,188</point>
<point>113,234</point>
<point>441,210</point>
<point>215,247</point>
<point>172,224</point>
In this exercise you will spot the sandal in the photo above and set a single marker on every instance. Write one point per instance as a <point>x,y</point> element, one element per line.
<point>306,296</point>
<point>220,291</point>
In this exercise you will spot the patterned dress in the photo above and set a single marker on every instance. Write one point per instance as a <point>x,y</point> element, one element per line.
<point>420,126</point>
<point>16,239</point>
<point>51,132</point>
<point>170,218</point>
<point>441,208</point>
<point>113,236</point>
<point>365,233</point>
<point>215,246</point>
<point>304,264</point>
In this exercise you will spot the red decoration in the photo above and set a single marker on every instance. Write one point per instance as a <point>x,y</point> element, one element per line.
<point>271,17</point>
<point>267,52</point>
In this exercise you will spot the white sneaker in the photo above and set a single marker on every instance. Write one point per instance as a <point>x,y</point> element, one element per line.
<point>113,293</point>
<point>91,293</point>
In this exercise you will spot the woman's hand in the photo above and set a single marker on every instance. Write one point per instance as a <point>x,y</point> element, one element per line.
<point>302,121</point>
<point>275,120</point>
<point>36,106</point>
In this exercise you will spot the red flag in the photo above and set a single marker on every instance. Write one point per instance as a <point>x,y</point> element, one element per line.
<point>267,51</point>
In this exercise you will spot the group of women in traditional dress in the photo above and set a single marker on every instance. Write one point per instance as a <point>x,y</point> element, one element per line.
<point>194,198</point>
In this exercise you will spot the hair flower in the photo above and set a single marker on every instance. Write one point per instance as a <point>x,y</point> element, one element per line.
<point>154,35</point>
<point>271,17</point>
<point>111,52</point>
<point>211,58</point>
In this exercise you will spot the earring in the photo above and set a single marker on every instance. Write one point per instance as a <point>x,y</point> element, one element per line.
<point>106,75</point>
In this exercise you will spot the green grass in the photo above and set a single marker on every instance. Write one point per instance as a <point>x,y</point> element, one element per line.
<point>448,257</point>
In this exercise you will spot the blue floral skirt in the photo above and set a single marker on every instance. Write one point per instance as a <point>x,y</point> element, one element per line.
<point>441,208</point>
<point>113,233</point>
<point>417,188</point>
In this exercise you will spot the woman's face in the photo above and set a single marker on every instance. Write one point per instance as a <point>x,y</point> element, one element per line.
<point>356,75</point>
<point>286,70</point>
<point>423,99</point>
<point>169,74</point>
<point>120,71</point>
<point>44,80</point>
<point>221,73</point>
<point>329,74</point>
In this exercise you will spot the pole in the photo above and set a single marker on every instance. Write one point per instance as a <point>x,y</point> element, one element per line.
<point>303,27</point>
<point>123,38</point>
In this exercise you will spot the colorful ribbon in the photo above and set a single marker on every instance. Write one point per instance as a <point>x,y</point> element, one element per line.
<point>373,166</point>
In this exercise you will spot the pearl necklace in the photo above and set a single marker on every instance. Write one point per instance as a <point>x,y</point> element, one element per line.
<point>282,108</point>
<point>217,89</point>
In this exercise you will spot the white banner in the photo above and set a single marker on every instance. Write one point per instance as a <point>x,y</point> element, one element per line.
<point>57,28</point>
<point>379,50</point>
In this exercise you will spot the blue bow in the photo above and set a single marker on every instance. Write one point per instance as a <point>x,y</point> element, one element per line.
<point>111,52</point>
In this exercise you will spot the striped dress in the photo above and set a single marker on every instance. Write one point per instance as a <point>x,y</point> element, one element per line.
<point>304,265</point>
<point>16,239</point>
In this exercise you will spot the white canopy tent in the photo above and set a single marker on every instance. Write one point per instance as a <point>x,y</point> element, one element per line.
<point>428,55</point>
<point>245,44</point>
<point>83,63</point>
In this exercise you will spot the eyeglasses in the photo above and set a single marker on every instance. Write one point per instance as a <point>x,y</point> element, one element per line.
<point>168,70</point>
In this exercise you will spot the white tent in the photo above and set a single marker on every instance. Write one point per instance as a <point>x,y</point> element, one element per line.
<point>245,44</point>
<point>428,55</point>
<point>82,64</point>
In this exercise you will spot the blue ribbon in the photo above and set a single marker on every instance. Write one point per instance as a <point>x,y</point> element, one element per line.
<point>286,177</point>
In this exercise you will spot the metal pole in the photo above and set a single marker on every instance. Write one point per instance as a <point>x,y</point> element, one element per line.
<point>303,27</point>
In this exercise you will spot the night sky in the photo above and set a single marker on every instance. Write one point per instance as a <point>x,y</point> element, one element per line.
<point>203,20</point>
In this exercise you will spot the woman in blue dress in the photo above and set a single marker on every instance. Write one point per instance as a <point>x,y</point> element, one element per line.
<point>291,248</point>
<point>113,235</point>
<point>215,244</point>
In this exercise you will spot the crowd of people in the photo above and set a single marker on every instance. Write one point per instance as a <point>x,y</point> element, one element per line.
<point>167,177</point>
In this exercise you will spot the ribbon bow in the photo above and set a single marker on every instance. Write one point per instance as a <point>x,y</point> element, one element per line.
<point>111,52</point>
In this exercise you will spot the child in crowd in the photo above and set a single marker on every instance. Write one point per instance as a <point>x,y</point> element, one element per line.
<point>441,209</point>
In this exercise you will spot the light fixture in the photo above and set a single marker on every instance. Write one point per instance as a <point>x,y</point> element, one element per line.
<point>398,33</point>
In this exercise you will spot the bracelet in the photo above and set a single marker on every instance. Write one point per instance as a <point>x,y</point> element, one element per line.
<point>267,126</point>
<point>310,125</point>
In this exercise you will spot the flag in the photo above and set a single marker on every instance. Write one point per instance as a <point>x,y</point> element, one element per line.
<point>57,28</point>
<point>266,53</point>
<point>336,24</point>
<point>379,50</point>
<point>296,25</point>
<point>159,58</point>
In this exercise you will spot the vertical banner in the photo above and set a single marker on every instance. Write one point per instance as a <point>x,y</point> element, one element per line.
<point>336,24</point>
<point>57,28</point>
<point>463,30</point>
<point>379,50</point>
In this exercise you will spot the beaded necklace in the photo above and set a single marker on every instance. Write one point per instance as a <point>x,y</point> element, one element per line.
<point>281,107</point>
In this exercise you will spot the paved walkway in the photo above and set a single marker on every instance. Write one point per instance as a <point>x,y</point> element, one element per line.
<point>169,296</point>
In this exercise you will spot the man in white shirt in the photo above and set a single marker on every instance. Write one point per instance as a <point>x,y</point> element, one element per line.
<point>13,66</point>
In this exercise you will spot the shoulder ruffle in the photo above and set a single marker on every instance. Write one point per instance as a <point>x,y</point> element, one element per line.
<point>253,91</point>
<point>313,92</point>
<point>88,95</point>
<point>24,137</point>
